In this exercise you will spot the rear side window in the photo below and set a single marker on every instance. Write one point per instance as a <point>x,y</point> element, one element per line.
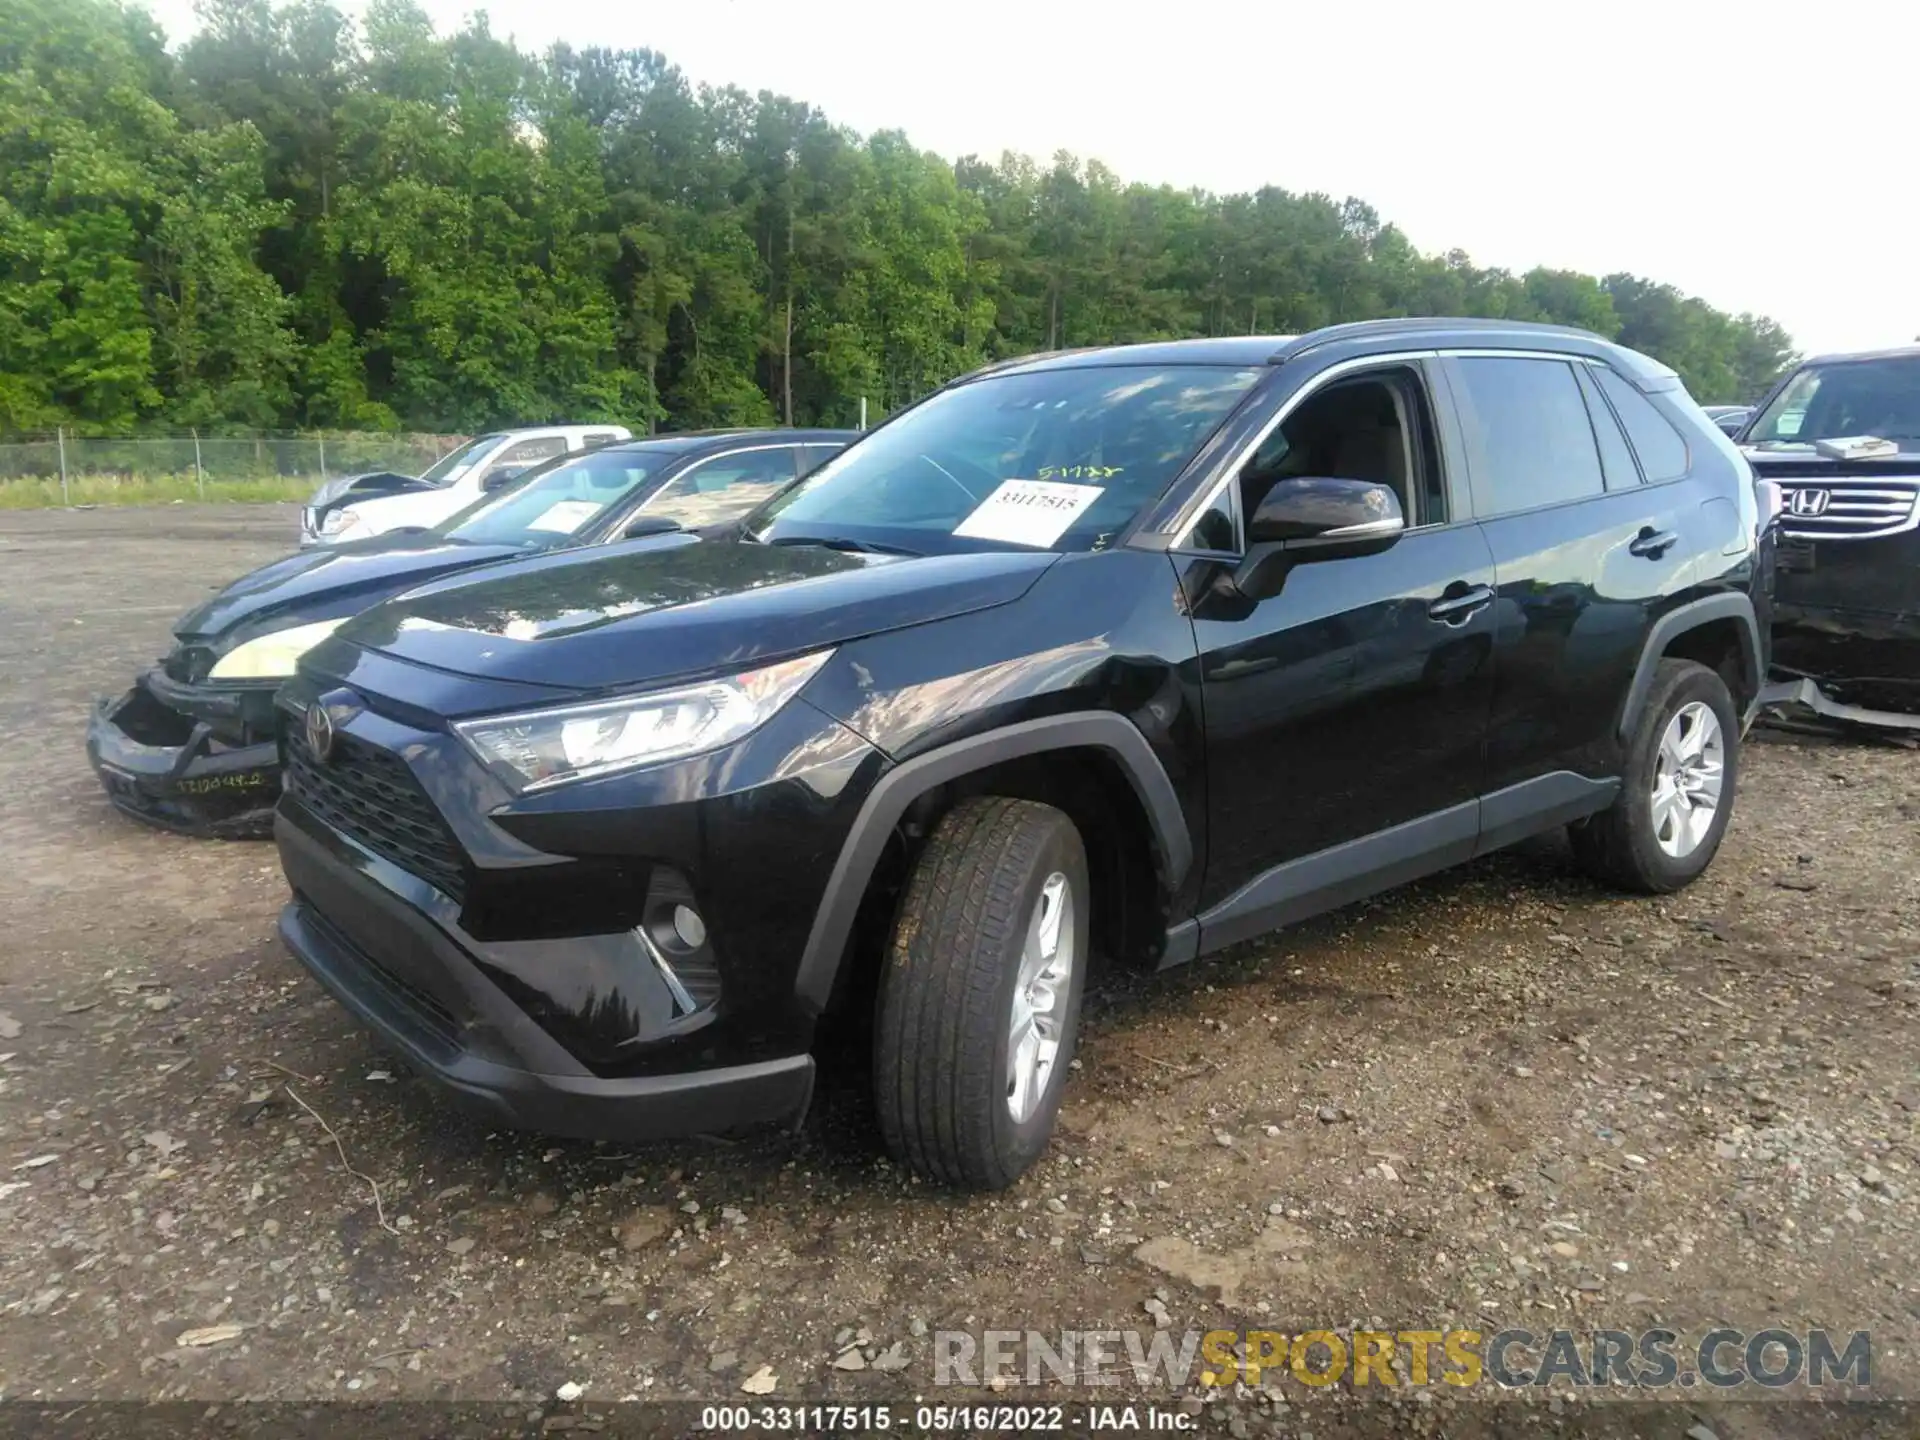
<point>1662,450</point>
<point>1616,457</point>
<point>1527,432</point>
<point>527,452</point>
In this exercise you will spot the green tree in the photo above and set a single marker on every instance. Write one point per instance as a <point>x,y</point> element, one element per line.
<point>302,222</point>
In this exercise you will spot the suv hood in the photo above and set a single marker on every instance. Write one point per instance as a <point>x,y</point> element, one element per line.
<point>1788,462</point>
<point>630,615</point>
<point>320,584</point>
<point>373,482</point>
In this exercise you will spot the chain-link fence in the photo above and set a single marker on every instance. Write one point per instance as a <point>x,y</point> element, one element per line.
<point>62,469</point>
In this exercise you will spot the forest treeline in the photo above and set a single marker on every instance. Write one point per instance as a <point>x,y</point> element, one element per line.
<point>294,221</point>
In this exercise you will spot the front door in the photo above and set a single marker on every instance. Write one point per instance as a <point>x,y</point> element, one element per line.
<point>1345,714</point>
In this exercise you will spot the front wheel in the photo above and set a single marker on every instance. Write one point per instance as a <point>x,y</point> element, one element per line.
<point>979,1003</point>
<point>1676,796</point>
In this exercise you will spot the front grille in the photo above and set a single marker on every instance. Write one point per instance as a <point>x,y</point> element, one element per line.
<point>1851,509</point>
<point>370,795</point>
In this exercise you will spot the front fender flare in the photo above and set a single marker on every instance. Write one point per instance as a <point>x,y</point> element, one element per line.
<point>901,786</point>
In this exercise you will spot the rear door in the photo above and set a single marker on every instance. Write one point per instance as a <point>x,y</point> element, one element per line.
<point>1586,555</point>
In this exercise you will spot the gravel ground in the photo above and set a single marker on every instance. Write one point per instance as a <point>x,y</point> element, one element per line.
<point>1501,1097</point>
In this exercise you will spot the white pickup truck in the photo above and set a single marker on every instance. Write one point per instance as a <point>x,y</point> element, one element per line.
<point>354,507</point>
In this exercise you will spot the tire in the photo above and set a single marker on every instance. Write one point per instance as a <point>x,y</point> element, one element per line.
<point>945,1011</point>
<point>1632,845</point>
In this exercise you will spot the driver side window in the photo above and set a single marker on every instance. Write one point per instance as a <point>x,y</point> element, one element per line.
<point>715,491</point>
<point>1375,426</point>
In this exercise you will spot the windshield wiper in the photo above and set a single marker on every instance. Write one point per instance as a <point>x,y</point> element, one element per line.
<point>840,542</point>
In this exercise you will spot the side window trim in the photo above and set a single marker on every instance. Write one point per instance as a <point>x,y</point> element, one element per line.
<point>1226,484</point>
<point>1600,412</point>
<point>1462,506</point>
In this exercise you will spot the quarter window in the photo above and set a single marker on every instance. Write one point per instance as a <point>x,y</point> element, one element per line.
<point>1616,456</point>
<point>1662,451</point>
<point>1527,430</point>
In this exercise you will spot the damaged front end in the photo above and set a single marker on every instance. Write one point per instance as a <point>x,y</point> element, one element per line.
<point>188,757</point>
<point>1846,621</point>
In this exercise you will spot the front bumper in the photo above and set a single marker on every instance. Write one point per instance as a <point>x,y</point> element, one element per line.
<point>1847,616</point>
<point>1791,695</point>
<point>425,987</point>
<point>175,770</point>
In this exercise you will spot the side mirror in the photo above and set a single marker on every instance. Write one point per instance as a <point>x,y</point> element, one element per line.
<point>1311,518</point>
<point>1328,517</point>
<point>501,477</point>
<point>644,525</point>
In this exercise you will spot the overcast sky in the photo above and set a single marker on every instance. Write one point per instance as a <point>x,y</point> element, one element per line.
<point>1758,157</point>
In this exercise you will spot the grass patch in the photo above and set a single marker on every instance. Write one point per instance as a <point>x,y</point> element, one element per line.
<point>44,493</point>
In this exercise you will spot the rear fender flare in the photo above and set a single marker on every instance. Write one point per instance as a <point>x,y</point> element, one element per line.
<point>1677,622</point>
<point>897,789</point>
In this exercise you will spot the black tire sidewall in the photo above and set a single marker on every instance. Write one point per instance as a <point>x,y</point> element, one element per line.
<point>1020,1143</point>
<point>1683,686</point>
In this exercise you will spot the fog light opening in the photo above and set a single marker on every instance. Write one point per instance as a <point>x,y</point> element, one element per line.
<point>688,927</point>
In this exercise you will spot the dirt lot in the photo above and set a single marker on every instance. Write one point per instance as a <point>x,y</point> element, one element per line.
<point>1500,1098</point>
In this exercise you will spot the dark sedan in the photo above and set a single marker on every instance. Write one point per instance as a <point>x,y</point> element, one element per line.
<point>191,745</point>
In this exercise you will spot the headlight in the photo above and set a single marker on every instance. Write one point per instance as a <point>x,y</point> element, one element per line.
<point>546,747</point>
<point>339,522</point>
<point>272,657</point>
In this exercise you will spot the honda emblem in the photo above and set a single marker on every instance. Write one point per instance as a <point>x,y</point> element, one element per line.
<point>1808,502</point>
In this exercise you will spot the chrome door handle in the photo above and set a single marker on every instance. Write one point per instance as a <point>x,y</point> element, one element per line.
<point>1458,609</point>
<point>1652,544</point>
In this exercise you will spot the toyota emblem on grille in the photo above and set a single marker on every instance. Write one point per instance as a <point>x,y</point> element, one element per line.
<point>319,731</point>
<point>1809,502</point>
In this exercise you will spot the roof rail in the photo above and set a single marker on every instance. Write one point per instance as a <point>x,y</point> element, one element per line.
<point>1415,324</point>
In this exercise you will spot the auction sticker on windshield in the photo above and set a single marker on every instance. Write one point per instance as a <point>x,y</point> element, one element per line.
<point>1028,512</point>
<point>566,516</point>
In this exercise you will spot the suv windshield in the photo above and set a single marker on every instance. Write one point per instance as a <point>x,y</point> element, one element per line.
<point>553,504</point>
<point>450,467</point>
<point>1056,459</point>
<point>1844,399</point>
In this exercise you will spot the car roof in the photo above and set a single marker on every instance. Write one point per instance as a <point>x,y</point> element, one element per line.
<point>554,428</point>
<point>691,442</point>
<point>1892,352</point>
<point>1448,332</point>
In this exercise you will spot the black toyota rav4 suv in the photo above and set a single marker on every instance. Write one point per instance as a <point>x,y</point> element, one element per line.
<point>1128,653</point>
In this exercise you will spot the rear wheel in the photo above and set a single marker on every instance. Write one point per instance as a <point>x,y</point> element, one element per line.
<point>979,1002</point>
<point>1677,793</point>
